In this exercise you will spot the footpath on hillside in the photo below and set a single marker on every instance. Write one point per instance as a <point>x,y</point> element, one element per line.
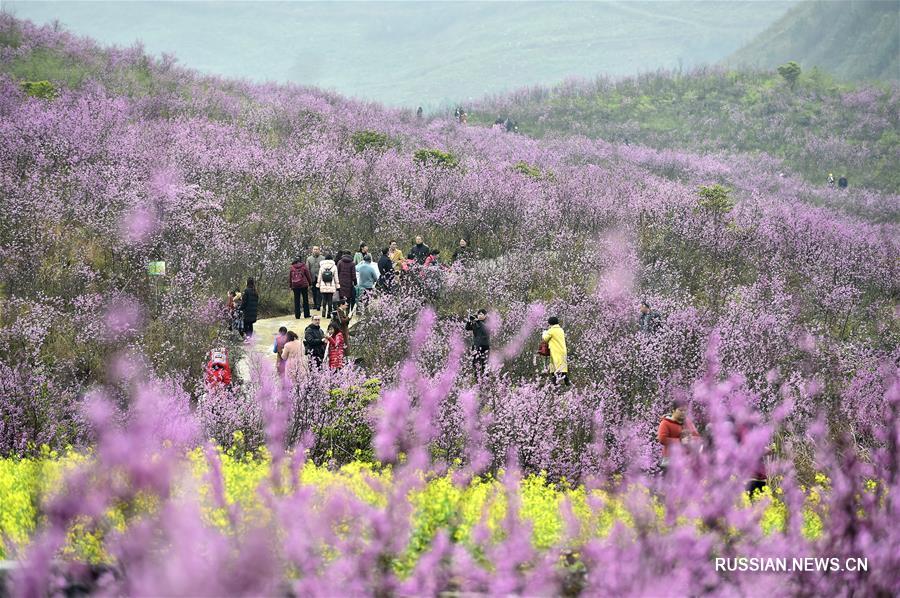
<point>264,333</point>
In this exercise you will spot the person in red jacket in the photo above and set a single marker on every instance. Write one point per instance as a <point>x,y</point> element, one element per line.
<point>335,341</point>
<point>300,280</point>
<point>675,429</point>
<point>218,372</point>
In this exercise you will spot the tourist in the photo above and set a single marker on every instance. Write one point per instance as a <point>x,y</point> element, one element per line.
<point>481,342</point>
<point>420,251</point>
<point>314,341</point>
<point>327,283</point>
<point>842,182</point>
<point>358,256</point>
<point>300,279</point>
<point>278,348</point>
<point>433,258</point>
<point>336,346</point>
<point>347,279</point>
<point>556,342</point>
<point>396,255</point>
<point>649,319</point>
<point>342,318</point>
<point>293,359</point>
<point>385,270</point>
<point>366,278</point>
<point>462,253</point>
<point>419,113</point>
<point>675,429</point>
<point>830,179</point>
<point>313,263</point>
<point>249,305</point>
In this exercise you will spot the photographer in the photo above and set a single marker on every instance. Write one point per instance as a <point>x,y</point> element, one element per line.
<point>481,344</point>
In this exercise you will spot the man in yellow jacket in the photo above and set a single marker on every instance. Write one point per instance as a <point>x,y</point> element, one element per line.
<point>556,340</point>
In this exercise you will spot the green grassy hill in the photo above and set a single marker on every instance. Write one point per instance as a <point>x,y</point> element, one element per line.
<point>853,40</point>
<point>814,126</point>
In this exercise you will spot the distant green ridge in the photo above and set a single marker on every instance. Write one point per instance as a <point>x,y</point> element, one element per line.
<point>852,40</point>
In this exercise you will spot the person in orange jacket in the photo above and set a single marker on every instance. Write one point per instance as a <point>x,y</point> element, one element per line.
<point>675,429</point>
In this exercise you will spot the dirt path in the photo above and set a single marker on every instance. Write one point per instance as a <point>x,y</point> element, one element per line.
<point>264,333</point>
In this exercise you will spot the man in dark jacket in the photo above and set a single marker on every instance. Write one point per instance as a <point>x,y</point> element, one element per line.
<point>346,270</point>
<point>462,253</point>
<point>481,342</point>
<point>386,269</point>
<point>314,341</point>
<point>250,306</point>
<point>420,251</point>
<point>300,280</point>
<point>312,262</point>
<point>650,319</point>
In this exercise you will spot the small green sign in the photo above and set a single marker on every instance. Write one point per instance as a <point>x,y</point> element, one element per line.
<point>156,268</point>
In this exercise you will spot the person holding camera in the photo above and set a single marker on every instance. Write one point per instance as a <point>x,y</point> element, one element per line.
<point>481,343</point>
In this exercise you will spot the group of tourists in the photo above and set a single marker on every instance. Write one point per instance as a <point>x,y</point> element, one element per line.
<point>506,124</point>
<point>318,347</point>
<point>841,182</point>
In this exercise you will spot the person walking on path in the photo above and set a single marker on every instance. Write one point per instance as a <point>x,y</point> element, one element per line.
<point>327,282</point>
<point>420,251</point>
<point>555,338</point>
<point>250,306</point>
<point>481,342</point>
<point>342,319</point>
<point>312,263</point>
<point>366,278</point>
<point>278,348</point>
<point>314,341</point>
<point>336,346</point>
<point>300,280</point>
<point>293,359</point>
<point>347,280</point>
<point>674,429</point>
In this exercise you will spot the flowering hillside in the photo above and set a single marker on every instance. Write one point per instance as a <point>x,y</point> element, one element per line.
<point>812,127</point>
<point>777,329</point>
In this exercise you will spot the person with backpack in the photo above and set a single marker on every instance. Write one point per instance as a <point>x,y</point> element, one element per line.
<point>314,341</point>
<point>312,263</point>
<point>336,346</point>
<point>328,284</point>
<point>649,319</point>
<point>481,342</point>
<point>420,251</point>
<point>250,306</point>
<point>346,270</point>
<point>555,338</point>
<point>300,279</point>
<point>366,278</point>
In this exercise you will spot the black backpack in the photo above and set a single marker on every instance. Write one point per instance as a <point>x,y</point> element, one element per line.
<point>328,275</point>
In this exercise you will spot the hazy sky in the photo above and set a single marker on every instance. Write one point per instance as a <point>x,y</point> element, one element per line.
<point>411,53</point>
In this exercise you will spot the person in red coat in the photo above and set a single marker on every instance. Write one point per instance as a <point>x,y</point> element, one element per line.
<point>218,372</point>
<point>300,280</point>
<point>335,341</point>
<point>675,429</point>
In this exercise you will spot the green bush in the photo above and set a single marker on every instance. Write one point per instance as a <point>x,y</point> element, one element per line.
<point>715,199</point>
<point>39,89</point>
<point>435,157</point>
<point>366,140</point>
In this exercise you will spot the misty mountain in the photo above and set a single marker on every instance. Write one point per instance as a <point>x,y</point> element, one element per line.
<point>427,53</point>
